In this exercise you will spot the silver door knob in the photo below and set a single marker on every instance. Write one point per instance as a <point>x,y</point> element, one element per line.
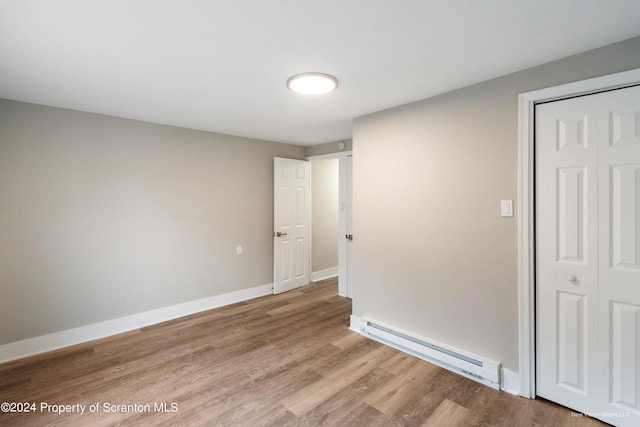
<point>279,234</point>
<point>571,278</point>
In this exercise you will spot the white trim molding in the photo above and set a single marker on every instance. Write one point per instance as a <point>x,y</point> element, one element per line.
<point>510,382</point>
<point>56,340</point>
<point>355,323</point>
<point>526,216</point>
<point>324,274</point>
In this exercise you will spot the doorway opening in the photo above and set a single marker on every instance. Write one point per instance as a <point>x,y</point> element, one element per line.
<point>331,235</point>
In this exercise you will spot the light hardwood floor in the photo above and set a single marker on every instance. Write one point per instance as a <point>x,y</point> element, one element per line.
<point>286,360</point>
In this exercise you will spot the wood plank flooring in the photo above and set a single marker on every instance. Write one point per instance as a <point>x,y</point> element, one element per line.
<point>286,360</point>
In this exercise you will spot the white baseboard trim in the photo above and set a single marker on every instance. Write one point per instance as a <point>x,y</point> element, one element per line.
<point>510,382</point>
<point>31,346</point>
<point>354,323</point>
<point>324,274</point>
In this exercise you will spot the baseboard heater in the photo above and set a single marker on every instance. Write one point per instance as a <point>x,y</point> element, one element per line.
<point>474,367</point>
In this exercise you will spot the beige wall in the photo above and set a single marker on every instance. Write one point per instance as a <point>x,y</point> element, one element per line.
<point>431,253</point>
<point>103,217</point>
<point>324,214</point>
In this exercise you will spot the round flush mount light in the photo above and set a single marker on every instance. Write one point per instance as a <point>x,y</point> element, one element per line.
<point>312,83</point>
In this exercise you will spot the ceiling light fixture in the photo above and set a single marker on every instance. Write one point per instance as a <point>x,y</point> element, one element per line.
<point>312,83</point>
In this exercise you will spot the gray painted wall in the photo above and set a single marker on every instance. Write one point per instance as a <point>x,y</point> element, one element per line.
<point>103,217</point>
<point>324,213</point>
<point>431,253</point>
<point>329,148</point>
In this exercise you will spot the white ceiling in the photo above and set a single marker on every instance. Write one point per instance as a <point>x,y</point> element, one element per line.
<point>221,65</point>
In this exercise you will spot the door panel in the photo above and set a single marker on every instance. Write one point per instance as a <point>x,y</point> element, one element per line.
<point>285,245</point>
<point>625,227</point>
<point>572,341</point>
<point>346,229</point>
<point>291,219</point>
<point>625,127</point>
<point>588,254</point>
<point>566,209</point>
<point>571,189</point>
<point>572,133</point>
<point>619,256</point>
<point>625,340</point>
<point>349,226</point>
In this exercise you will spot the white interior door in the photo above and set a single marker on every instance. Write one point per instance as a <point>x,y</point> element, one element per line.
<point>291,224</point>
<point>588,254</point>
<point>349,234</point>
<point>346,226</point>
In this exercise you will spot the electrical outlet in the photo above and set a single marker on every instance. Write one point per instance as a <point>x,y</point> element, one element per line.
<point>239,250</point>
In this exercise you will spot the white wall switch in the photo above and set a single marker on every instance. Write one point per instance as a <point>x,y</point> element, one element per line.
<point>239,250</point>
<point>506,207</point>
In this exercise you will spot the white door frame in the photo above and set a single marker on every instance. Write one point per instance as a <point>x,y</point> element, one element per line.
<point>526,212</point>
<point>342,219</point>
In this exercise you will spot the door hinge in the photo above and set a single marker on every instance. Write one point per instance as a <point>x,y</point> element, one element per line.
<point>349,236</point>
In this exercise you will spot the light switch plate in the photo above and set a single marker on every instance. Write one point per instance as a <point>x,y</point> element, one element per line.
<point>506,208</point>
